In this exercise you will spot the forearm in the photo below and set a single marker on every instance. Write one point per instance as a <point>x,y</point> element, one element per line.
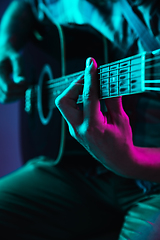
<point>16,25</point>
<point>147,164</point>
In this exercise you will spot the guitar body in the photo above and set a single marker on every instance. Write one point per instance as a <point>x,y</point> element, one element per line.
<point>36,138</point>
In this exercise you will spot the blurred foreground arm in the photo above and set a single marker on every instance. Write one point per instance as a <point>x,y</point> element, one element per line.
<point>107,137</point>
<point>16,26</point>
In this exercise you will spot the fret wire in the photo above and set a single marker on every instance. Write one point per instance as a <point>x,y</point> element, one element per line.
<point>154,74</point>
<point>124,73</point>
<point>146,60</point>
<point>118,77</point>
<point>132,78</point>
<point>103,78</point>
<point>129,77</point>
<point>52,99</point>
<point>146,81</point>
<point>63,79</point>
<point>59,81</point>
<point>109,90</point>
<point>56,84</point>
<point>121,68</point>
<point>123,60</point>
<point>146,88</point>
<point>114,63</point>
<point>53,82</point>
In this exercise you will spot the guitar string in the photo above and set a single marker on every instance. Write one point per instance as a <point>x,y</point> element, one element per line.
<point>115,63</point>
<point>154,58</point>
<point>56,81</point>
<point>82,72</point>
<point>60,79</point>
<point>119,93</point>
<point>114,84</point>
<point>51,100</point>
<point>59,84</point>
<point>52,83</point>
<point>63,85</point>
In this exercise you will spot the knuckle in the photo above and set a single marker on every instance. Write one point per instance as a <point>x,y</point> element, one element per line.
<point>86,131</point>
<point>87,95</point>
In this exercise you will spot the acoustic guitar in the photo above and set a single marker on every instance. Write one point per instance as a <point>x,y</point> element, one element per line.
<point>42,127</point>
<point>42,123</point>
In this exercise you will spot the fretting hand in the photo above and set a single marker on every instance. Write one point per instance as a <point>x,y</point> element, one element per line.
<point>108,137</point>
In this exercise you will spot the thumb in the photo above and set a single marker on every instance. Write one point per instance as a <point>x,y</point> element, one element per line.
<point>18,70</point>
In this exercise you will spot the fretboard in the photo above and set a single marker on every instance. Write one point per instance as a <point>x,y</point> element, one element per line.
<point>128,76</point>
<point>124,77</point>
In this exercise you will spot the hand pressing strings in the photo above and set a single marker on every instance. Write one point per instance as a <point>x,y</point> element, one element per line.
<point>107,137</point>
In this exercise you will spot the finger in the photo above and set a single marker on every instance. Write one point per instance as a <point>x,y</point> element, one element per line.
<point>9,89</point>
<point>66,102</point>
<point>115,108</point>
<point>17,66</point>
<point>91,102</point>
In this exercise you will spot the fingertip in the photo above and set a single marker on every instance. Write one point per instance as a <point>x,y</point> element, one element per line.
<point>18,79</point>
<point>91,62</point>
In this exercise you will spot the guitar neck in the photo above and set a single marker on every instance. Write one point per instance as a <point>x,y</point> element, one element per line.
<point>124,77</point>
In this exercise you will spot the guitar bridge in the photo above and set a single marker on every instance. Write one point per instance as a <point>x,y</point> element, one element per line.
<point>30,99</point>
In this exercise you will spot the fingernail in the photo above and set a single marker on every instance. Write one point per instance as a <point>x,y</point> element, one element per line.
<point>89,61</point>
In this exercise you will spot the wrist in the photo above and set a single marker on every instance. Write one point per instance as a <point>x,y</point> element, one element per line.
<point>146,164</point>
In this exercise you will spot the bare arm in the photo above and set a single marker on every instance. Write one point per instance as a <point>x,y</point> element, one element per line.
<point>16,27</point>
